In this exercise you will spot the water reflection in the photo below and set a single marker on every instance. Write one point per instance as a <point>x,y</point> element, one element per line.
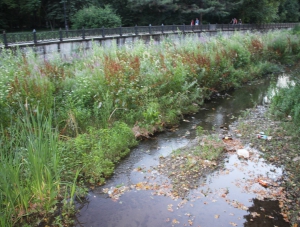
<point>282,81</point>
<point>264,213</point>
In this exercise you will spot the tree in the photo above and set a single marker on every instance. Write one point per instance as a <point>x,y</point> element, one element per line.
<point>260,11</point>
<point>180,11</point>
<point>122,8</point>
<point>216,9</point>
<point>289,11</point>
<point>96,17</point>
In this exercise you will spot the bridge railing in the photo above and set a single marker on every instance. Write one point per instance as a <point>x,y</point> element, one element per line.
<point>10,39</point>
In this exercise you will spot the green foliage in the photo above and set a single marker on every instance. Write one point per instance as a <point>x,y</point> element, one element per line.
<point>210,146</point>
<point>260,11</point>
<point>285,103</point>
<point>30,171</point>
<point>51,14</point>
<point>199,131</point>
<point>99,150</point>
<point>296,29</point>
<point>289,11</point>
<point>95,17</point>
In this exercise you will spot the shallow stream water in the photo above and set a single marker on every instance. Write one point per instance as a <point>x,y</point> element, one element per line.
<point>229,196</point>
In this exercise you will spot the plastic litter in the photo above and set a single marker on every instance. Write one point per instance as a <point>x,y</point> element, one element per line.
<point>262,136</point>
<point>243,153</point>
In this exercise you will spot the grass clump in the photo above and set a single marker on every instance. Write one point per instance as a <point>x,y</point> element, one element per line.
<point>187,165</point>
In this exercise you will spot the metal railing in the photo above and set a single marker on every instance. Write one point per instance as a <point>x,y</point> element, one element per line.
<point>29,38</point>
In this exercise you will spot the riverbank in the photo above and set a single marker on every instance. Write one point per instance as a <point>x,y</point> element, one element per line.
<point>281,148</point>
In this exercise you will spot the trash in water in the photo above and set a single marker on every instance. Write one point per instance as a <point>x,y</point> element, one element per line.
<point>243,153</point>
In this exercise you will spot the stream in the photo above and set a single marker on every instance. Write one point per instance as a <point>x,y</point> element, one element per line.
<point>227,196</point>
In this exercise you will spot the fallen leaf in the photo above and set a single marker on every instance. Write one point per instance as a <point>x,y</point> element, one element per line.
<point>263,183</point>
<point>232,223</point>
<point>217,216</point>
<point>175,221</point>
<point>170,207</point>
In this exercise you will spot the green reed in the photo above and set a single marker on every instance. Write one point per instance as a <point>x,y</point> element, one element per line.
<point>30,181</point>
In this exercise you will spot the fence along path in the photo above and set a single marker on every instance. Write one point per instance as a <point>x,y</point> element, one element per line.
<point>29,38</point>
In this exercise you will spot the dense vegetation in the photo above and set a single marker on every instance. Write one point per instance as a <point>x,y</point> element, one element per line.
<point>24,15</point>
<point>65,123</point>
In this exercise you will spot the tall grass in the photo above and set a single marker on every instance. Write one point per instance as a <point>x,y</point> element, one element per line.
<point>30,172</point>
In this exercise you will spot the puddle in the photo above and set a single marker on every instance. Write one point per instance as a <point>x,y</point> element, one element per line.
<point>227,197</point>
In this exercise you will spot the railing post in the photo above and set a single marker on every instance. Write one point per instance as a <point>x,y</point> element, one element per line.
<point>136,30</point>
<point>103,31</point>
<point>150,29</point>
<point>60,35</point>
<point>34,36</point>
<point>162,28</point>
<point>120,29</point>
<point>5,39</point>
<point>83,33</point>
<point>183,28</point>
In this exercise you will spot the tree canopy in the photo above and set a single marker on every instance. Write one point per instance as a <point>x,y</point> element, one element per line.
<point>19,15</point>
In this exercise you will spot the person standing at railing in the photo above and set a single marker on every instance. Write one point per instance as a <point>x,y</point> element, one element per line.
<point>192,22</point>
<point>240,21</point>
<point>197,21</point>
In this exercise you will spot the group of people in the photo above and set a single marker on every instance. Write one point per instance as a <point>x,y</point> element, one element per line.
<point>235,21</point>
<point>196,22</point>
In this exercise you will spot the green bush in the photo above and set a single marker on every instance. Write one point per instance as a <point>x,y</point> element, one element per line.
<point>98,150</point>
<point>95,17</point>
<point>286,103</point>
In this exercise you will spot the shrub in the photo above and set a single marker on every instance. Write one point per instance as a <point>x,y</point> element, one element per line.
<point>98,150</point>
<point>94,17</point>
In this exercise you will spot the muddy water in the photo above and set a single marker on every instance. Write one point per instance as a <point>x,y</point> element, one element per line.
<point>226,197</point>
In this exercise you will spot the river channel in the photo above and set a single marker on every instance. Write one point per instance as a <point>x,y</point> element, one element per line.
<point>222,197</point>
